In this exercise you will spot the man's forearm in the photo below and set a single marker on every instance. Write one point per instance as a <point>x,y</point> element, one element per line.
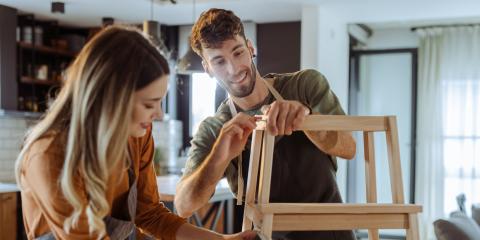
<point>195,190</point>
<point>336,143</point>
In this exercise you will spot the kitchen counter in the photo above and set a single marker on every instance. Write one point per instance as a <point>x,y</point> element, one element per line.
<point>167,186</point>
<point>8,187</point>
<point>221,203</point>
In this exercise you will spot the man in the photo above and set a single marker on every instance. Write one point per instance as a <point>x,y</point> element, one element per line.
<point>302,171</point>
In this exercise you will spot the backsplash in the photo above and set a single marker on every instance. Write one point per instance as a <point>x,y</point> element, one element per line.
<point>12,132</point>
<point>166,134</point>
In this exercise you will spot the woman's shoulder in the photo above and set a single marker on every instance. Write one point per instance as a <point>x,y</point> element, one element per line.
<point>47,152</point>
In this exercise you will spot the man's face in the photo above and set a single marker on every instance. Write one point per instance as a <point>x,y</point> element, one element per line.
<point>231,65</point>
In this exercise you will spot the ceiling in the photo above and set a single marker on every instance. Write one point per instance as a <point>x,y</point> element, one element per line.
<point>375,13</point>
<point>90,12</point>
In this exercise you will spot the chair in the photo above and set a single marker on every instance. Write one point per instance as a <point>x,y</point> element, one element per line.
<point>267,217</point>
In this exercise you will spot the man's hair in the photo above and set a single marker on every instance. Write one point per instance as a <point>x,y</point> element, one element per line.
<point>214,27</point>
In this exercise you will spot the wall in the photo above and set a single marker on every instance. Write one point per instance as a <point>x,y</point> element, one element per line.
<point>390,38</point>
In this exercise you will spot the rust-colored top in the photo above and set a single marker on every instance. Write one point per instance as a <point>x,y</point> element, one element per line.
<point>45,208</point>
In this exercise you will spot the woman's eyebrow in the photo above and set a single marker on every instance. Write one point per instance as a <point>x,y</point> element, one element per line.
<point>152,99</point>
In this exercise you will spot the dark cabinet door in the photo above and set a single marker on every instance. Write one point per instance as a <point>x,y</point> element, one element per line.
<point>8,215</point>
<point>8,58</point>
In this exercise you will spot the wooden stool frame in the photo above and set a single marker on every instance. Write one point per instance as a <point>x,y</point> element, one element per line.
<point>267,217</point>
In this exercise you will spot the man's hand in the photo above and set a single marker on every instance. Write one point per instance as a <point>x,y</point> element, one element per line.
<point>233,137</point>
<point>283,116</point>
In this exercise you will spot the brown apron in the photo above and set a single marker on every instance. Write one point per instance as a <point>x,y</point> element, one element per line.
<point>118,229</point>
<point>301,173</point>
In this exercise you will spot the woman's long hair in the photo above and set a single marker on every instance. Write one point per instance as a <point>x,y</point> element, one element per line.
<point>95,107</point>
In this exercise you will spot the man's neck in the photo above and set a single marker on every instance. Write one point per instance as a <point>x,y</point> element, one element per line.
<point>258,95</point>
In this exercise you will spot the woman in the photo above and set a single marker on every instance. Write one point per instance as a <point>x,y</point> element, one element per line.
<point>86,168</point>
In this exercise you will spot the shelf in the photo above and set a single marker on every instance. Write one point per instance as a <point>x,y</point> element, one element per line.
<point>25,79</point>
<point>45,49</point>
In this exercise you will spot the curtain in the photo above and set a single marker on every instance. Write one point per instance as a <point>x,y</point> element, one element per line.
<point>448,120</point>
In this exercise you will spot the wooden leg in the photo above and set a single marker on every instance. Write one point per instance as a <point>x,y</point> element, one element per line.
<point>267,225</point>
<point>394,164</point>
<point>252,176</point>
<point>412,231</point>
<point>247,222</point>
<point>264,185</point>
<point>373,234</point>
<point>370,174</point>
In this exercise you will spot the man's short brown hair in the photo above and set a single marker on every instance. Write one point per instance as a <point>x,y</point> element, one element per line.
<point>214,27</point>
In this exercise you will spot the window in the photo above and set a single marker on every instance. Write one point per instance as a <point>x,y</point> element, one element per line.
<point>461,142</point>
<point>202,99</point>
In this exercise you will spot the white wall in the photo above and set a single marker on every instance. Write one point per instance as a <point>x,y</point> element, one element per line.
<point>389,38</point>
<point>309,37</point>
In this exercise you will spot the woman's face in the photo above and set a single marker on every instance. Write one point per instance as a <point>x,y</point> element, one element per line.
<point>147,106</point>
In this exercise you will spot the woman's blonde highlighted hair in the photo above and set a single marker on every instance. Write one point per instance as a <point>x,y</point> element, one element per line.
<point>95,106</point>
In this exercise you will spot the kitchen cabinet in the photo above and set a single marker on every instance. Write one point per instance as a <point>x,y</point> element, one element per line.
<point>44,51</point>
<point>8,58</point>
<point>8,215</point>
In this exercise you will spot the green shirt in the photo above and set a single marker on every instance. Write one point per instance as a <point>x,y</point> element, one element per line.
<point>308,87</point>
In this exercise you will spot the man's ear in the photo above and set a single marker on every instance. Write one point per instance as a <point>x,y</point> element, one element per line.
<point>250,47</point>
<point>206,68</point>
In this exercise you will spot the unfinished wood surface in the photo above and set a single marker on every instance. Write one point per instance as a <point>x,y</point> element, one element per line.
<point>265,180</point>
<point>8,215</point>
<point>370,174</point>
<point>337,208</point>
<point>267,226</point>
<point>341,123</point>
<point>412,231</point>
<point>373,234</point>
<point>310,222</point>
<point>253,215</point>
<point>266,168</point>
<point>394,164</point>
<point>270,217</point>
<point>256,148</point>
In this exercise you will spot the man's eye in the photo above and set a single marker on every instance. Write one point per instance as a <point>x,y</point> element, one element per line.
<point>220,62</point>
<point>238,53</point>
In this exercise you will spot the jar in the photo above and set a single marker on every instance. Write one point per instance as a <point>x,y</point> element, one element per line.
<point>27,34</point>
<point>38,35</point>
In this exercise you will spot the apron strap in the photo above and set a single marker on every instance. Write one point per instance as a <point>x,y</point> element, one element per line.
<point>274,91</point>
<point>240,183</point>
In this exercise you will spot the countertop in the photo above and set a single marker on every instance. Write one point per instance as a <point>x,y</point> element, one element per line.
<point>8,188</point>
<point>167,186</point>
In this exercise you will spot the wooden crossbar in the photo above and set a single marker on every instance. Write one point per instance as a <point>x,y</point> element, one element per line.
<point>342,208</point>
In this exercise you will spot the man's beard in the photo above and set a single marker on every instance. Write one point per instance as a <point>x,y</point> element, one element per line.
<point>243,91</point>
